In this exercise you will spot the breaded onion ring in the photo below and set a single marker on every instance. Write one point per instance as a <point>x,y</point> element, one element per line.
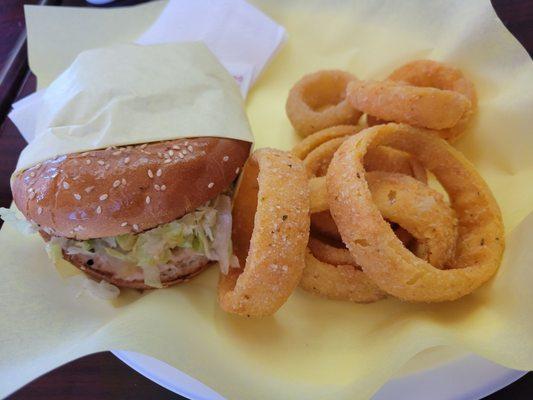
<point>308,144</point>
<point>387,159</point>
<point>318,101</point>
<point>340,282</point>
<point>426,107</point>
<point>420,210</point>
<point>416,207</point>
<point>330,254</point>
<point>317,161</point>
<point>270,234</point>
<point>369,238</point>
<point>379,159</point>
<point>429,73</point>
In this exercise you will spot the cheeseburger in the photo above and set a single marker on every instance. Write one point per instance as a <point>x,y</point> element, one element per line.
<point>140,216</point>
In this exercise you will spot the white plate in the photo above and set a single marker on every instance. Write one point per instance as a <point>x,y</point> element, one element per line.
<point>441,373</point>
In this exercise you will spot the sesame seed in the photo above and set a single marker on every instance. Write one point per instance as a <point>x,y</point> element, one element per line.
<point>87,161</point>
<point>142,146</point>
<point>77,196</point>
<point>168,160</point>
<point>40,210</point>
<point>185,143</point>
<point>159,154</point>
<point>237,170</point>
<point>116,183</point>
<point>32,174</point>
<point>159,172</point>
<point>171,153</point>
<point>98,210</point>
<point>107,166</point>
<point>190,148</point>
<point>225,158</point>
<point>136,227</point>
<point>38,166</point>
<point>89,189</point>
<point>163,188</point>
<point>124,224</point>
<point>150,173</point>
<point>32,195</point>
<point>165,155</point>
<point>180,155</point>
<point>184,152</point>
<point>30,189</point>
<point>147,199</point>
<point>123,182</point>
<point>116,153</point>
<point>211,184</point>
<point>103,197</point>
<point>100,162</point>
<point>126,160</point>
<point>84,153</point>
<point>65,185</point>
<point>176,147</point>
<point>157,187</point>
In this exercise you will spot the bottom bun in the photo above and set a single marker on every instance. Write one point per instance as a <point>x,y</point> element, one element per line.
<point>98,272</point>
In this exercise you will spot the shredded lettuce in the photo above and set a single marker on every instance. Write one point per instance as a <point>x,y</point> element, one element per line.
<point>206,231</point>
<point>53,249</point>
<point>18,222</point>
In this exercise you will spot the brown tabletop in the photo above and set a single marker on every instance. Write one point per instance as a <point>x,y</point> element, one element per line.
<point>102,376</point>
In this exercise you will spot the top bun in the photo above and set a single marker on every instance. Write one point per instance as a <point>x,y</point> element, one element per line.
<point>126,189</point>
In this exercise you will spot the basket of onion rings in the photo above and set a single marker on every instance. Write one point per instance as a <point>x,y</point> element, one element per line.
<point>366,208</point>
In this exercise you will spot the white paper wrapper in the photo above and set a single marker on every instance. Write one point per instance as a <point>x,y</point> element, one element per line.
<point>128,94</point>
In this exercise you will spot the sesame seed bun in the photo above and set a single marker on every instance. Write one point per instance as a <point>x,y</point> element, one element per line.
<point>127,189</point>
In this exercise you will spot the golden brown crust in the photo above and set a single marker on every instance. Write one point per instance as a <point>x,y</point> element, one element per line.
<point>380,254</point>
<point>128,189</point>
<point>270,234</point>
<point>318,101</point>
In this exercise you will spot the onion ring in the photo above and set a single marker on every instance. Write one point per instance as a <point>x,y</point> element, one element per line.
<point>322,224</point>
<point>270,234</point>
<point>380,158</point>
<point>340,282</point>
<point>308,144</point>
<point>425,107</point>
<point>416,207</point>
<point>429,73</point>
<point>330,254</point>
<point>387,159</point>
<point>420,210</point>
<point>318,101</point>
<point>317,161</point>
<point>369,238</point>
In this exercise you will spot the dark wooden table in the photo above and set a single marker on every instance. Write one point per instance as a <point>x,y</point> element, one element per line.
<point>102,376</point>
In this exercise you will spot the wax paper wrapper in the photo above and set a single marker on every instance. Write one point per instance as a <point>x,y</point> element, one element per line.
<point>314,348</point>
<point>131,94</point>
